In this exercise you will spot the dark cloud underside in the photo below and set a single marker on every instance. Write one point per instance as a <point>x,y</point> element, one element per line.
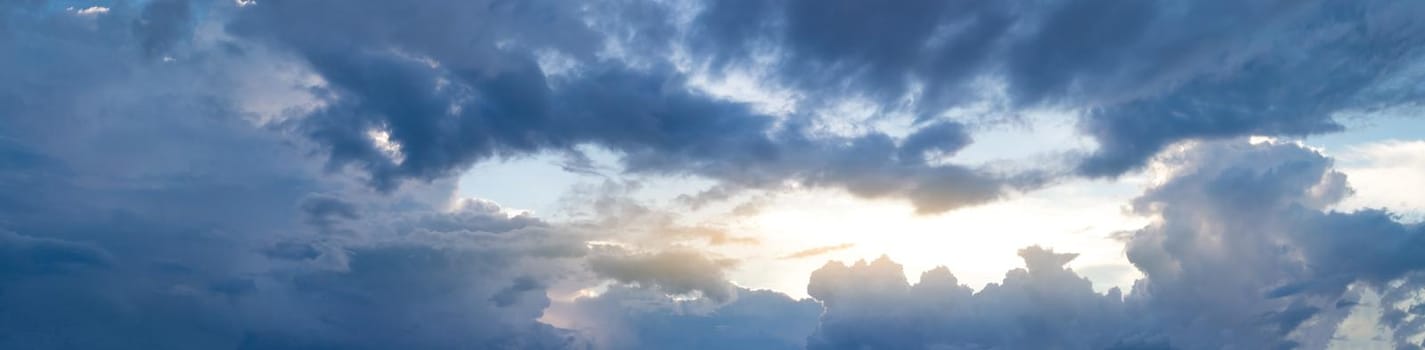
<point>1145,74</point>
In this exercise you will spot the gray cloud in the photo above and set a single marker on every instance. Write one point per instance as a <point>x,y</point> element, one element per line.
<point>324,210</point>
<point>161,25</point>
<point>674,272</point>
<point>1245,242</point>
<point>872,306</point>
<point>1144,74</point>
<point>470,215</point>
<point>451,101</point>
<point>1153,75</point>
<point>451,83</point>
<point>32,256</point>
<point>149,211</point>
<point>611,211</point>
<point>627,318</point>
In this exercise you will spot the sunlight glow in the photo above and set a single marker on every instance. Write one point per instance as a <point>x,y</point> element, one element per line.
<point>978,244</point>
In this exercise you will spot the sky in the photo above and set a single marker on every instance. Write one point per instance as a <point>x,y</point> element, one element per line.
<point>692,174</point>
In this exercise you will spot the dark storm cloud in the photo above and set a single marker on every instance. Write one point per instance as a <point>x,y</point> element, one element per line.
<point>859,47</point>
<point>141,208</point>
<point>526,77</point>
<point>1144,74</point>
<point>451,84</point>
<point>448,101</point>
<point>662,127</point>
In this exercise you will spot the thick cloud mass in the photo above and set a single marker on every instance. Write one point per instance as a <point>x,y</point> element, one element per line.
<point>140,208</point>
<point>1248,223</point>
<point>423,92</point>
<point>447,101</point>
<point>871,306</point>
<point>1244,254</point>
<point>1145,74</point>
<point>450,83</point>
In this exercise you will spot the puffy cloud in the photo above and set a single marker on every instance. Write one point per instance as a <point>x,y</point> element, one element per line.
<point>872,306</point>
<point>1242,253</point>
<point>630,318</point>
<point>1243,242</point>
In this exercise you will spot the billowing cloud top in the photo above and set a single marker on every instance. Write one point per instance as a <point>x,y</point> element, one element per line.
<point>187,174</point>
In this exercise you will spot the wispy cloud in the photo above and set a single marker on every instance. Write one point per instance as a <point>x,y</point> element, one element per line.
<point>89,11</point>
<point>818,251</point>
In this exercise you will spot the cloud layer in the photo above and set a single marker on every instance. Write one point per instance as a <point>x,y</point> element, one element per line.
<point>181,174</point>
<point>1241,255</point>
<point>444,102</point>
<point>1144,74</point>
